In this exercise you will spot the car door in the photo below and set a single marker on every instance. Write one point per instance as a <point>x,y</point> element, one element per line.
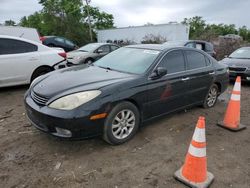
<point>102,51</point>
<point>168,93</point>
<point>17,60</point>
<point>201,75</point>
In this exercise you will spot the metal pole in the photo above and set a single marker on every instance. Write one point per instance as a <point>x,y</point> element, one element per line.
<point>90,30</point>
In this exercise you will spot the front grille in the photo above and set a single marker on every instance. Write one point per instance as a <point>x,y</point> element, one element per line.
<point>237,69</point>
<point>39,99</point>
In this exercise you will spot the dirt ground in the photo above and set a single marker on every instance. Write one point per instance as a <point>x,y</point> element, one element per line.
<point>30,158</point>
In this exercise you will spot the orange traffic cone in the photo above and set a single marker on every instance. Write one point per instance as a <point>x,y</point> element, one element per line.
<point>232,117</point>
<point>194,171</point>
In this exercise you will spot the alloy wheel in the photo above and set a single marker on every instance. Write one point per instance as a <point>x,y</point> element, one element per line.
<point>123,124</point>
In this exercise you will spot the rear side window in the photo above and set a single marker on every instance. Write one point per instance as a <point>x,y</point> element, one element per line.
<point>195,60</point>
<point>174,62</point>
<point>105,49</point>
<point>11,46</point>
<point>61,40</point>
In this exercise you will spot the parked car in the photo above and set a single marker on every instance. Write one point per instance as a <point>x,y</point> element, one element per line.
<point>89,53</point>
<point>198,44</point>
<point>239,64</point>
<point>55,41</point>
<point>116,94</point>
<point>23,60</point>
<point>22,32</point>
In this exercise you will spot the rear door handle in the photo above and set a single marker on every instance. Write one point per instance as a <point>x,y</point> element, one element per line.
<point>33,59</point>
<point>185,79</point>
<point>212,73</point>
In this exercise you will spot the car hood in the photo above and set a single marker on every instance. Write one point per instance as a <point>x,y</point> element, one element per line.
<point>75,79</point>
<point>77,53</point>
<point>236,62</point>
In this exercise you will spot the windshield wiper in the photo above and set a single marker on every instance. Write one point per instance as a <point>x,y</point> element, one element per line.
<point>108,68</point>
<point>238,57</point>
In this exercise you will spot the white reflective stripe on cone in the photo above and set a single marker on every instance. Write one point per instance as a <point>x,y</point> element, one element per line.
<point>199,135</point>
<point>237,86</point>
<point>235,97</point>
<point>197,152</point>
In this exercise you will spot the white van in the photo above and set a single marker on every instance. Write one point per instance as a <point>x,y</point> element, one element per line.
<point>22,32</point>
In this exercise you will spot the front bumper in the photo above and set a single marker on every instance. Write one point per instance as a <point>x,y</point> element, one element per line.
<point>64,124</point>
<point>245,76</point>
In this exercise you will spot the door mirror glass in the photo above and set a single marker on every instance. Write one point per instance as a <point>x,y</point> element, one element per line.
<point>158,73</point>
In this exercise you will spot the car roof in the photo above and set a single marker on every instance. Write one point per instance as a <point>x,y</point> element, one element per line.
<point>162,47</point>
<point>158,47</point>
<point>20,38</point>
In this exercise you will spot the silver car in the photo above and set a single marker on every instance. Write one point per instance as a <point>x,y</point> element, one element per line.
<point>89,53</point>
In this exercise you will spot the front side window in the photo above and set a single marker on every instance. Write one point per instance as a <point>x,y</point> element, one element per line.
<point>130,60</point>
<point>69,43</point>
<point>104,49</point>
<point>195,60</point>
<point>12,46</point>
<point>174,62</point>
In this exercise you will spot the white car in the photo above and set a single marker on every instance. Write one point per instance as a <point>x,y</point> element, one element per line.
<point>22,60</point>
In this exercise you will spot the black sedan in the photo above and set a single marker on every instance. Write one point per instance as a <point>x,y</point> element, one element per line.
<point>239,64</point>
<point>198,44</point>
<point>55,41</point>
<point>129,86</point>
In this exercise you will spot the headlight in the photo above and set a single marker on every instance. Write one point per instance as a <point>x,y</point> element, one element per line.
<point>79,57</point>
<point>72,101</point>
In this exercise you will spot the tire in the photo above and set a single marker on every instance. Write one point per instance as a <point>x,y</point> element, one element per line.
<point>211,97</point>
<point>39,72</point>
<point>88,61</point>
<point>51,45</point>
<point>117,132</point>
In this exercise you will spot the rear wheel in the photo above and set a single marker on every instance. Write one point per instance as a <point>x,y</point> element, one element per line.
<point>40,71</point>
<point>211,97</point>
<point>121,124</point>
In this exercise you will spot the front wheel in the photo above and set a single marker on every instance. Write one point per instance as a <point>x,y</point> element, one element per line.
<point>121,124</point>
<point>211,97</point>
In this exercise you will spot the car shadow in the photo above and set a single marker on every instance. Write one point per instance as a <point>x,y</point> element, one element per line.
<point>14,88</point>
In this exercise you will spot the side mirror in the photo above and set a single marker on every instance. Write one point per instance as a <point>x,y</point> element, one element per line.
<point>158,73</point>
<point>99,51</point>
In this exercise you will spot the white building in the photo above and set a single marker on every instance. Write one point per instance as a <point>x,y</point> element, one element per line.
<point>137,34</point>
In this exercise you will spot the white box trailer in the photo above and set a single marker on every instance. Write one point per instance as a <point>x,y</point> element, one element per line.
<point>22,32</point>
<point>138,34</point>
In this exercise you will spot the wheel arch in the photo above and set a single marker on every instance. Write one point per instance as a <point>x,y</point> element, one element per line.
<point>219,85</point>
<point>39,68</point>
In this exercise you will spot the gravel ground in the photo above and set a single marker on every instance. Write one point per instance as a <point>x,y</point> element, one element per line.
<point>30,158</point>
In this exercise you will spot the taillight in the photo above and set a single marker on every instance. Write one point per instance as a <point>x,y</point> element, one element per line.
<point>63,54</point>
<point>42,38</point>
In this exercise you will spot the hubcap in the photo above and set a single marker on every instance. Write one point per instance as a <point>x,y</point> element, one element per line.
<point>123,124</point>
<point>212,96</point>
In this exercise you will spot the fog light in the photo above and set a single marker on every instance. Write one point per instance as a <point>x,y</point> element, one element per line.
<point>248,78</point>
<point>63,132</point>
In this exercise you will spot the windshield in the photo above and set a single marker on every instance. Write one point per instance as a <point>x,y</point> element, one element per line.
<point>89,47</point>
<point>242,53</point>
<point>131,60</point>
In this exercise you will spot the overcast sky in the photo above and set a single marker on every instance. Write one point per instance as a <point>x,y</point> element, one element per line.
<point>139,12</point>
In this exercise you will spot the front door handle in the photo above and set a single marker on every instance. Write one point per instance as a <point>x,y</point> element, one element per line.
<point>185,79</point>
<point>212,73</point>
